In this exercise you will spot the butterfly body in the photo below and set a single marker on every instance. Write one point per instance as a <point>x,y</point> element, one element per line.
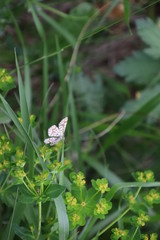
<point>56,133</point>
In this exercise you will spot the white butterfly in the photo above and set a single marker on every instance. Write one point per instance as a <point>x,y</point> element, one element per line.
<point>56,133</point>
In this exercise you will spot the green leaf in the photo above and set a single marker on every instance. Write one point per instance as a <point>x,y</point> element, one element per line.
<point>92,198</point>
<point>89,92</point>
<point>23,232</point>
<point>150,34</point>
<point>3,116</point>
<point>139,68</point>
<point>83,9</point>
<point>54,190</point>
<point>62,218</point>
<point>78,193</point>
<point>26,196</point>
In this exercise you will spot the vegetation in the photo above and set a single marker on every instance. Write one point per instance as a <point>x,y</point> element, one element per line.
<point>92,69</point>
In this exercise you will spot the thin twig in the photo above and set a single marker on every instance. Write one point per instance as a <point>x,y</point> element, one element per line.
<point>108,129</point>
<point>77,45</point>
<point>97,123</point>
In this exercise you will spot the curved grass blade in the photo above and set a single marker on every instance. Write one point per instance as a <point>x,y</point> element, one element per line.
<point>21,129</point>
<point>25,118</point>
<point>23,102</point>
<point>27,82</point>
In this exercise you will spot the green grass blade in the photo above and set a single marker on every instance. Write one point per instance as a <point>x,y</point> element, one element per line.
<point>12,218</point>
<point>61,76</point>
<point>124,185</point>
<point>25,118</point>
<point>45,64</point>
<point>62,14</point>
<point>45,86</point>
<point>62,31</point>
<point>103,170</point>
<point>23,102</point>
<point>27,79</point>
<point>62,218</point>
<point>3,116</point>
<point>126,4</point>
<point>75,125</point>
<point>25,136</point>
<point>17,215</point>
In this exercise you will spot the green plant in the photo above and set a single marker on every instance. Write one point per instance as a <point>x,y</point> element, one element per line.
<point>51,192</point>
<point>58,197</point>
<point>142,68</point>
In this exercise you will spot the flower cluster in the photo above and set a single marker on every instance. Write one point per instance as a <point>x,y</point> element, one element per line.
<point>102,208</point>
<point>12,159</point>
<point>71,201</point>
<point>146,176</point>
<point>139,221</point>
<point>130,199</point>
<point>42,177</point>
<point>6,151</point>
<point>6,81</point>
<point>19,162</point>
<point>119,234</point>
<point>153,197</point>
<point>100,185</point>
<point>152,236</point>
<point>78,179</point>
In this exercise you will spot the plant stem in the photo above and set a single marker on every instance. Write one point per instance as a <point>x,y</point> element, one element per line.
<point>32,192</point>
<point>136,227</point>
<point>112,223</point>
<point>139,189</point>
<point>134,233</point>
<point>39,219</point>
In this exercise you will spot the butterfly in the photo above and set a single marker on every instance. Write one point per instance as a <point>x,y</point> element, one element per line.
<point>56,133</point>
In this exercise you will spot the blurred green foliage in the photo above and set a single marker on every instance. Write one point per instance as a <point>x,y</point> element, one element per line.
<point>71,60</point>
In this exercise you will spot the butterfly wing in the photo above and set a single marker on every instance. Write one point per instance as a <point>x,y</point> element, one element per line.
<point>52,141</point>
<point>62,125</point>
<point>54,131</point>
